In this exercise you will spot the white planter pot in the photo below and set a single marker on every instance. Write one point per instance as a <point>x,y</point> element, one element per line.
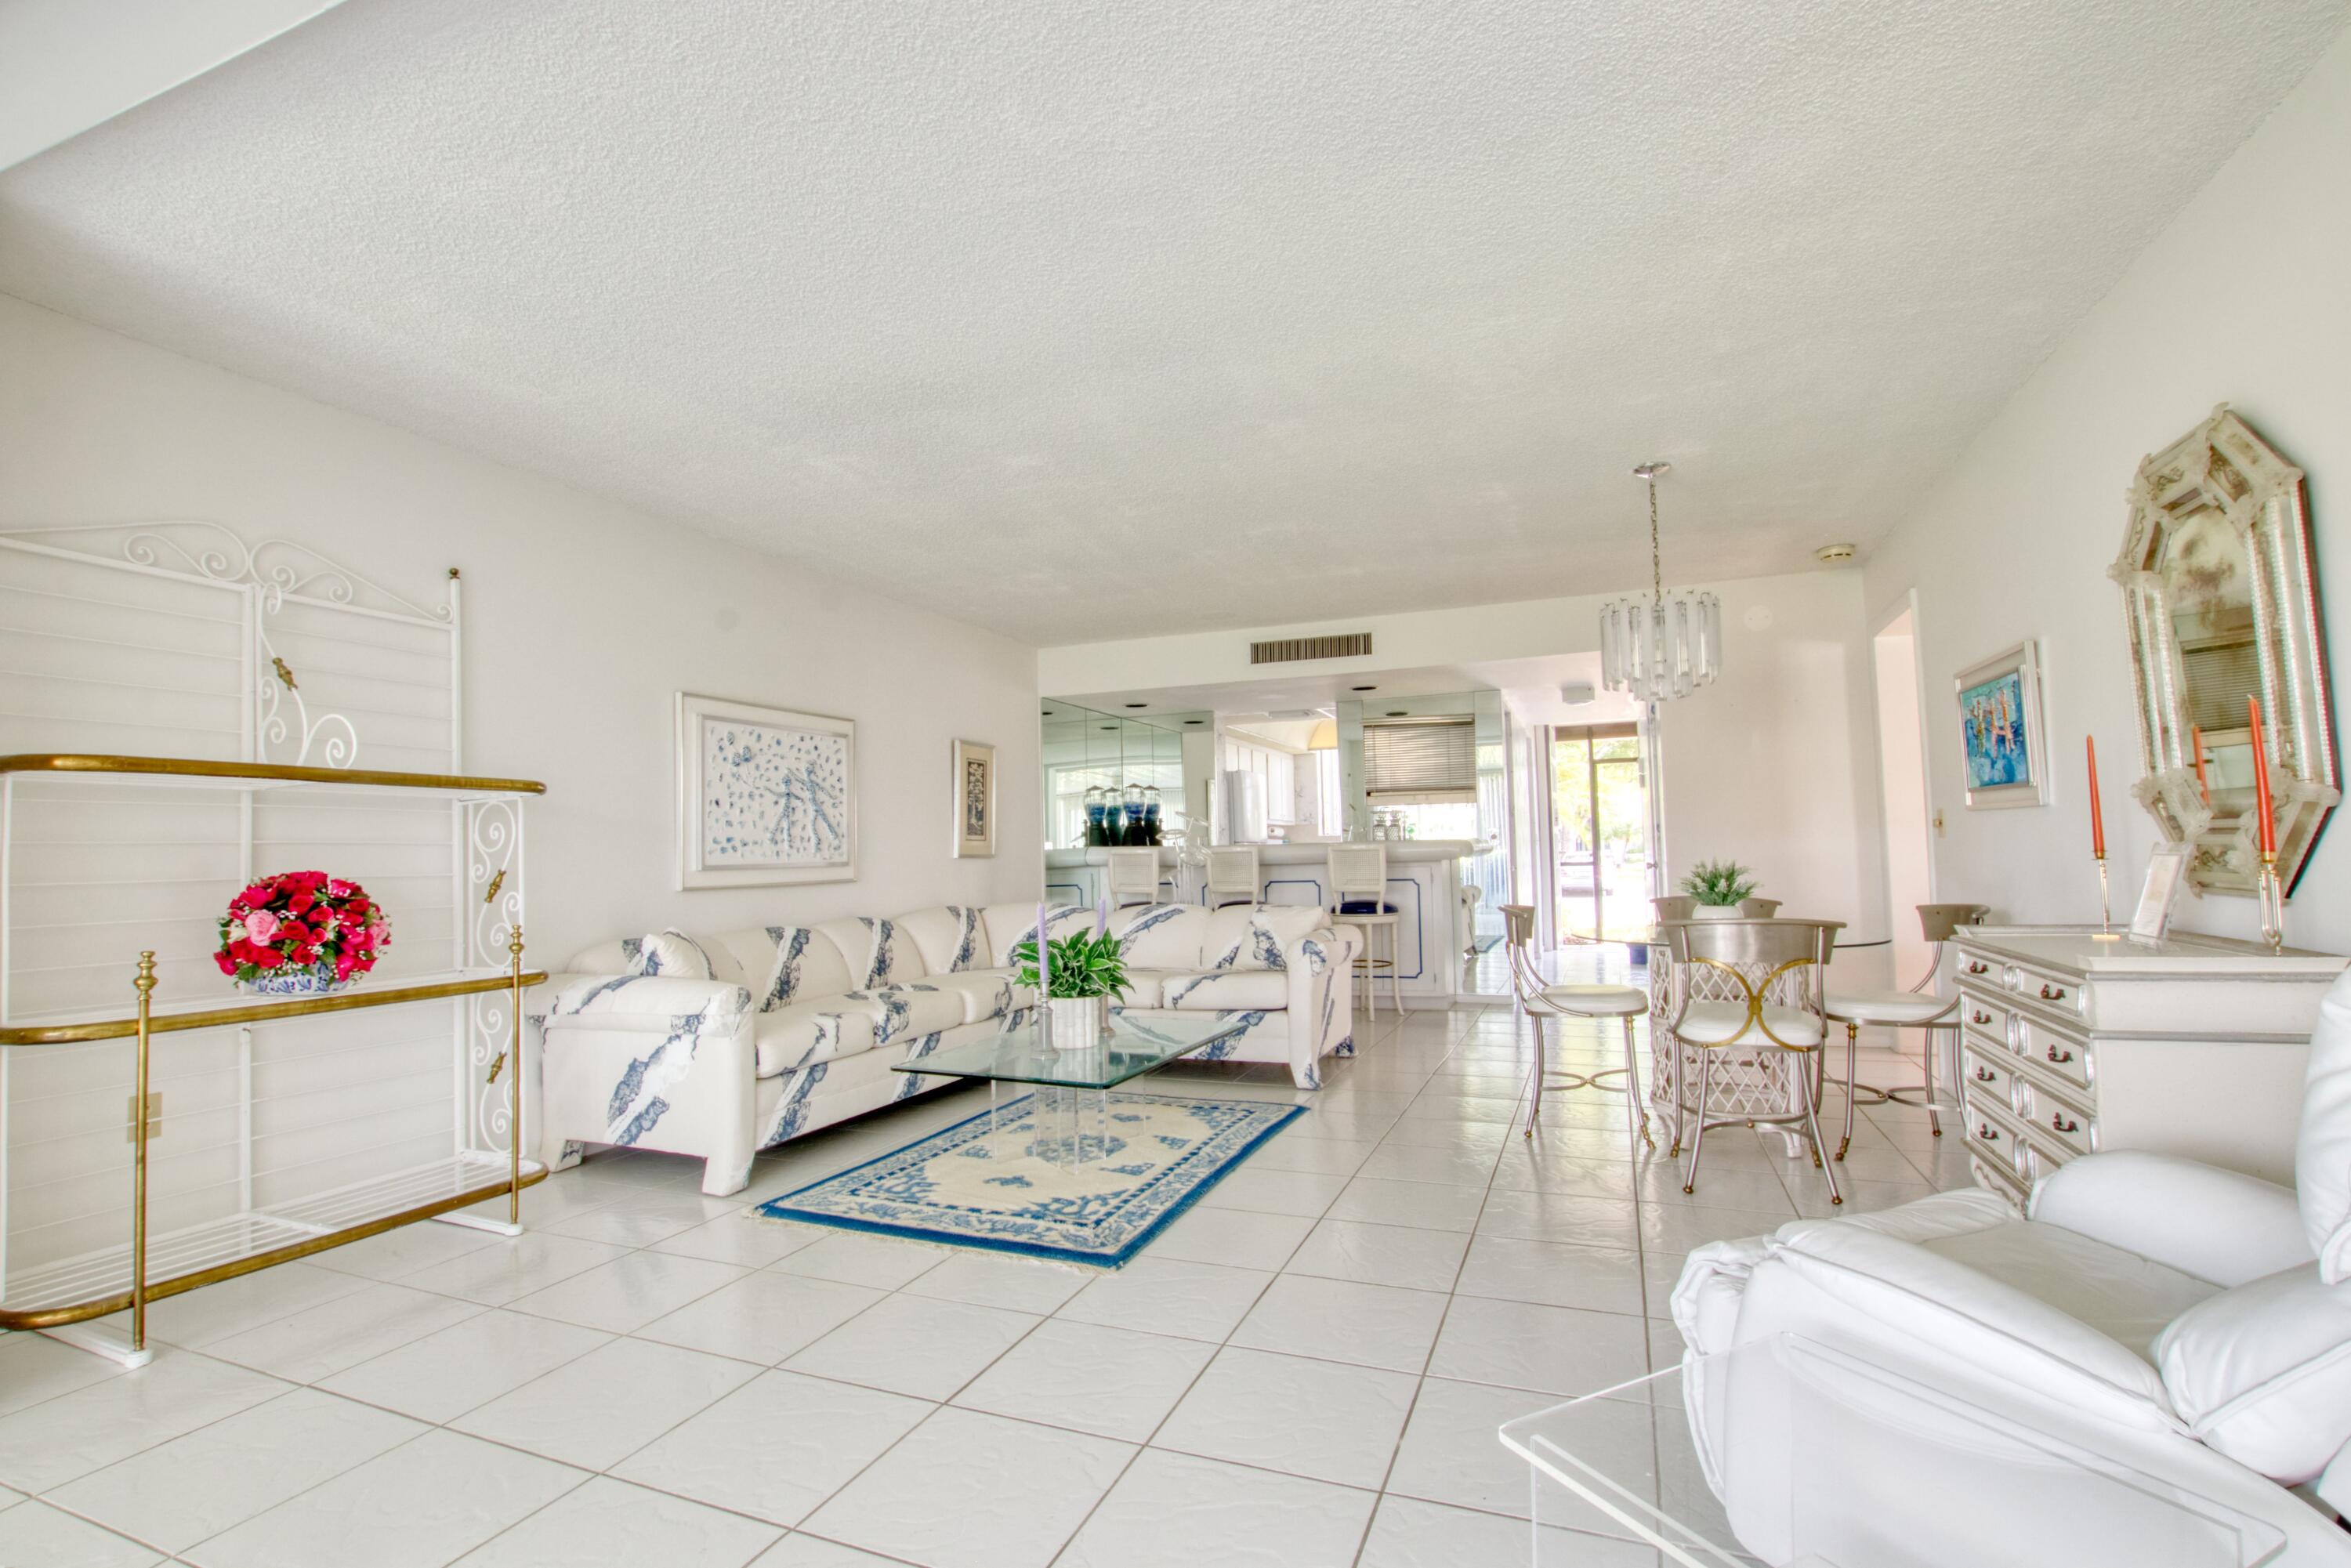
<point>1715,912</point>
<point>1074,1023</point>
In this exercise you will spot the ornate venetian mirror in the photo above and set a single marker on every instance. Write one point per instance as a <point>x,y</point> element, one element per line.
<point>2220,599</point>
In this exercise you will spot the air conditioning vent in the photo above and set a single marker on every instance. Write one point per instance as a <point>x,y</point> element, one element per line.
<point>1289,650</point>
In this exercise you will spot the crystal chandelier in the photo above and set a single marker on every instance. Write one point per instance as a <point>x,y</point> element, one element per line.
<point>1659,647</point>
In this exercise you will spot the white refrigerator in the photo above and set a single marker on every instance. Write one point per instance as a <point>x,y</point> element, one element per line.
<point>1244,807</point>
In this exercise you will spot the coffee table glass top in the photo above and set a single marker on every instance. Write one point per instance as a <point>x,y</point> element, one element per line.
<point>1129,1047</point>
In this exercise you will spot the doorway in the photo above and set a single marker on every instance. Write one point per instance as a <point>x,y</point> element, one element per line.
<point>1902,775</point>
<point>1601,851</point>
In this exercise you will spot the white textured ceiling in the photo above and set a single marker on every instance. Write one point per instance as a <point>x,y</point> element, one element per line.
<point>1080,321</point>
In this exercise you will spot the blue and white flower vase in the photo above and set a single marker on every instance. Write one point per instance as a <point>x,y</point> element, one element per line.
<point>317,980</point>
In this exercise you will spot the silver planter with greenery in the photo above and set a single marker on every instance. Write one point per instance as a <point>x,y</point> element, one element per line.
<point>1083,975</point>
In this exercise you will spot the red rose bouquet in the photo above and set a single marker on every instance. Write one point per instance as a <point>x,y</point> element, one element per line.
<point>300,931</point>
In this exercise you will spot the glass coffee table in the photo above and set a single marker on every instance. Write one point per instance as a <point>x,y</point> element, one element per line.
<point>1833,1461</point>
<point>1065,1116</point>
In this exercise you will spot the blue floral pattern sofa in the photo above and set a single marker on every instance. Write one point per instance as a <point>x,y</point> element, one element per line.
<point>718,1046</point>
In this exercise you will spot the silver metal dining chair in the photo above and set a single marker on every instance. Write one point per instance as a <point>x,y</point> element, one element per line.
<point>1776,968</point>
<point>1919,1007</point>
<point>1546,999</point>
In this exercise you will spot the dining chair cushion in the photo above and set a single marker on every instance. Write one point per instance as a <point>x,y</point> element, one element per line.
<point>1889,1006</point>
<point>1365,906</point>
<point>1598,1001</point>
<point>1720,1023</point>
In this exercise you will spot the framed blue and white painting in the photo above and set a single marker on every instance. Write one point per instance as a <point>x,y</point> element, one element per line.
<point>2002,744</point>
<point>764,795</point>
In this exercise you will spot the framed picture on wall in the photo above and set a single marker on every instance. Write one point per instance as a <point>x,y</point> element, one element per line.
<point>764,795</point>
<point>974,799</point>
<point>2001,743</point>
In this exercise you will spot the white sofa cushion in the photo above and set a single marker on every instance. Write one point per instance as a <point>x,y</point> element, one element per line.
<point>804,963</point>
<point>1221,991</point>
<point>1925,1295</point>
<point>1008,925</point>
<point>820,1029</point>
<point>917,1007</point>
<point>2127,1297</point>
<point>2262,1373</point>
<point>2217,1225</point>
<point>1161,935</point>
<point>950,938</point>
<point>985,993</point>
<point>875,952</point>
<point>1241,937</point>
<point>670,952</point>
<point>2322,1154</point>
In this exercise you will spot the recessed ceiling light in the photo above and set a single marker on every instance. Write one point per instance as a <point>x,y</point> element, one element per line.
<point>1362,688</point>
<point>1138,704</point>
<point>1195,721</point>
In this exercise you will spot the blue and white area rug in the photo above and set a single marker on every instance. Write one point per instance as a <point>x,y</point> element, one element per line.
<point>971,1187</point>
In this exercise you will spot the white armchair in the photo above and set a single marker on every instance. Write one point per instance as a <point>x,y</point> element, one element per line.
<point>2198,1318</point>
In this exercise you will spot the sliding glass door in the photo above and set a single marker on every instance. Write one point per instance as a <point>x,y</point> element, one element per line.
<point>1600,831</point>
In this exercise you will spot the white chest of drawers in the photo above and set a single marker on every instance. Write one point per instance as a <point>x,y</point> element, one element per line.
<point>2069,1045</point>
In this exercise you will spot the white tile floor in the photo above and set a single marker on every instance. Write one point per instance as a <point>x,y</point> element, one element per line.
<point>1307,1369</point>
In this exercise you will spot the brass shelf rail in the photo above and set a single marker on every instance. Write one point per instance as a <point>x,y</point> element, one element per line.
<point>235,773</point>
<point>144,1024</point>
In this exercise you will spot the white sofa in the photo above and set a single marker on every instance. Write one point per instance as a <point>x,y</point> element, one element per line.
<point>2192,1322</point>
<point>718,1046</point>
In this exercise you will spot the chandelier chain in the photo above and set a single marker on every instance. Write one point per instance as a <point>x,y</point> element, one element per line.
<point>1657,566</point>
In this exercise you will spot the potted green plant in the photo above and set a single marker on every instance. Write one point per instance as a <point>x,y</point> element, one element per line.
<point>1083,973</point>
<point>1719,887</point>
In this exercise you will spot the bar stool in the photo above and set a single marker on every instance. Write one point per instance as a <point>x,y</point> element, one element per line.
<point>1359,883</point>
<point>1781,1011</point>
<point>1544,999</point>
<point>1919,1007</point>
<point>1233,877</point>
<point>1133,877</point>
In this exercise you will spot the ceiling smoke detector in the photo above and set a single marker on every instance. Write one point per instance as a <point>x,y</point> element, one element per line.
<point>1835,555</point>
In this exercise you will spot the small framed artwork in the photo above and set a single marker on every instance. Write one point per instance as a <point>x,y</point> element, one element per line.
<point>2001,741</point>
<point>974,799</point>
<point>2167,869</point>
<point>764,795</point>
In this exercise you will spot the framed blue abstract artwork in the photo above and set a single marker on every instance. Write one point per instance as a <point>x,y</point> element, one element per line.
<point>764,795</point>
<point>2001,743</point>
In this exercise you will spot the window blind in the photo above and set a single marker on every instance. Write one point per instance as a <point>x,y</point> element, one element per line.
<point>1421,761</point>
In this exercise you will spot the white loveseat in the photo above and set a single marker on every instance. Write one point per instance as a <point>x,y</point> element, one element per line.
<point>2191,1322</point>
<point>718,1046</point>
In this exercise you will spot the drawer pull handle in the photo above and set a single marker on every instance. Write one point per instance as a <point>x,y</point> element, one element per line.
<point>2060,1057</point>
<point>1985,1075</point>
<point>1979,1018</point>
<point>1987,1133</point>
<point>2053,993</point>
<point>1979,969</point>
<point>2058,1123</point>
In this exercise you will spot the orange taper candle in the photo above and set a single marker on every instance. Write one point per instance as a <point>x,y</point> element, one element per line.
<point>2196,744</point>
<point>2097,817</point>
<point>2266,828</point>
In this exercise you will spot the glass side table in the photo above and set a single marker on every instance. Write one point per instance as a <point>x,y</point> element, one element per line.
<point>1833,1461</point>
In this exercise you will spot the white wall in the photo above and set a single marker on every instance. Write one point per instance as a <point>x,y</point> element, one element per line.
<point>2244,298</point>
<point>582,618</point>
<point>1775,764</point>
